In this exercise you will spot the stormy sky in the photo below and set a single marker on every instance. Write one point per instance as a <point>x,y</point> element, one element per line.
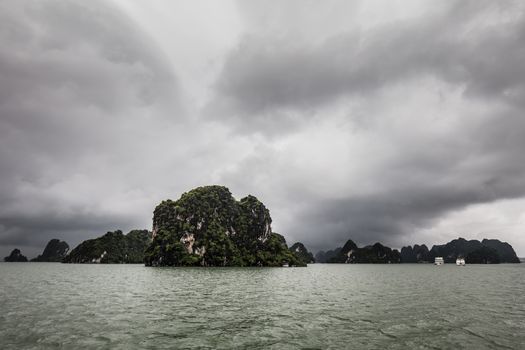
<point>392,121</point>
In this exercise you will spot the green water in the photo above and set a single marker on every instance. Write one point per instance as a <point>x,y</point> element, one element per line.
<point>319,307</point>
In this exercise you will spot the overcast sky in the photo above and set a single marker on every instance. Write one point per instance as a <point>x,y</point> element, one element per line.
<point>392,121</point>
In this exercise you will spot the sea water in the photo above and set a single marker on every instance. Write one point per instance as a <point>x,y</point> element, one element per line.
<point>323,306</point>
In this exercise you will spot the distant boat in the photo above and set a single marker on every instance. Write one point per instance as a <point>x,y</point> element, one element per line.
<point>460,262</point>
<point>439,261</point>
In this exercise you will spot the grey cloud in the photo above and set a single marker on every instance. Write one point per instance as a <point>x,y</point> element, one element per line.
<point>343,128</point>
<point>410,192</point>
<point>269,73</point>
<point>419,177</point>
<point>391,216</point>
<point>409,195</point>
<point>34,230</point>
<point>79,82</point>
<point>275,80</point>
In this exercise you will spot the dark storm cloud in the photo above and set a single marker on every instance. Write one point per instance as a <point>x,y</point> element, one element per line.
<point>363,119</point>
<point>270,73</point>
<point>75,78</point>
<point>389,216</point>
<point>24,229</point>
<point>273,81</point>
<point>420,183</point>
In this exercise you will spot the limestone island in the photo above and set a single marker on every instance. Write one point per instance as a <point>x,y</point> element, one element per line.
<point>208,227</point>
<point>55,251</point>
<point>15,256</point>
<point>488,251</point>
<point>112,248</point>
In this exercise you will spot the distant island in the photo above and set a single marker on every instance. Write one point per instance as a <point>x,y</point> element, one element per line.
<point>488,251</point>
<point>15,256</point>
<point>112,248</point>
<point>208,227</point>
<point>55,251</point>
<point>302,253</point>
<point>350,253</point>
<point>118,248</point>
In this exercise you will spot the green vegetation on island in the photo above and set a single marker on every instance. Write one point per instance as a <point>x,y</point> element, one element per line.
<point>55,251</point>
<point>300,250</point>
<point>112,248</point>
<point>208,227</point>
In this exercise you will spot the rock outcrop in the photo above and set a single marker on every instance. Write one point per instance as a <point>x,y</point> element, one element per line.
<point>111,248</point>
<point>418,253</point>
<point>343,256</point>
<point>55,251</point>
<point>375,254</point>
<point>372,254</point>
<point>488,251</point>
<point>324,257</point>
<point>457,248</point>
<point>300,250</point>
<point>15,256</point>
<point>505,251</point>
<point>483,255</point>
<point>208,227</point>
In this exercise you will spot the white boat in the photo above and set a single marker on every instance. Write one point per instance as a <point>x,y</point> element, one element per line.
<point>460,262</point>
<point>439,261</point>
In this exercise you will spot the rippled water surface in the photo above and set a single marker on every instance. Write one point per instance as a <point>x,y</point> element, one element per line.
<point>318,307</point>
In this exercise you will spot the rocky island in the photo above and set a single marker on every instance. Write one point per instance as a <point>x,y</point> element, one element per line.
<point>302,253</point>
<point>488,251</point>
<point>418,253</point>
<point>112,248</point>
<point>208,227</point>
<point>15,256</point>
<point>55,251</point>
<point>377,253</point>
<point>324,257</point>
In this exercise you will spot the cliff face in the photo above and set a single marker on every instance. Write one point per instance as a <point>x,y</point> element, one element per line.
<point>112,248</point>
<point>324,257</point>
<point>456,248</point>
<point>55,251</point>
<point>376,254</point>
<point>343,255</point>
<point>373,254</point>
<point>300,250</point>
<point>504,250</point>
<point>491,251</point>
<point>15,256</point>
<point>419,253</point>
<point>483,255</point>
<point>208,227</point>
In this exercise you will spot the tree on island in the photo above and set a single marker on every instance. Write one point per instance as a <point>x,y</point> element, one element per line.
<point>300,250</point>
<point>112,248</point>
<point>208,227</point>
